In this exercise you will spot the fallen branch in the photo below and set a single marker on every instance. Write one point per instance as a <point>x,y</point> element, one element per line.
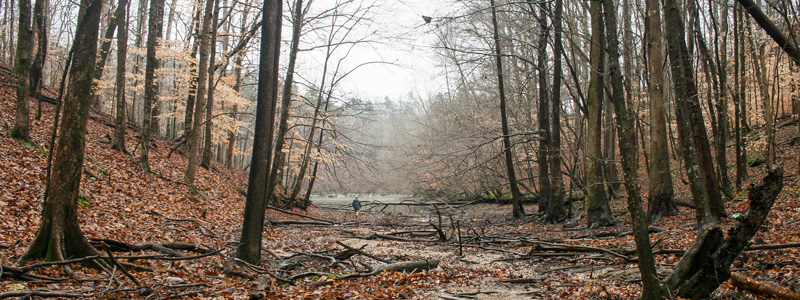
<point>288,212</point>
<point>545,246</point>
<point>762,288</point>
<point>341,256</point>
<point>373,236</point>
<point>9,272</point>
<point>44,294</point>
<point>121,267</point>
<point>299,222</point>
<point>408,266</point>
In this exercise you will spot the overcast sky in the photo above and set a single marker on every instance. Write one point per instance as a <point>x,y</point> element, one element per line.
<point>404,46</point>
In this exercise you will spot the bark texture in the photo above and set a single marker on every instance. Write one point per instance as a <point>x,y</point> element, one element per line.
<point>22,65</point>
<point>155,27</point>
<point>249,248</point>
<point>651,287</point>
<point>661,202</point>
<point>59,234</point>
<point>599,212</point>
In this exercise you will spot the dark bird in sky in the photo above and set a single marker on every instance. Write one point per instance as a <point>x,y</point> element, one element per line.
<point>427,19</point>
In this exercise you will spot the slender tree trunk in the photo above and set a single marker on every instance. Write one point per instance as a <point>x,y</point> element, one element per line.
<point>122,55</point>
<point>22,66</point>
<point>195,135</point>
<point>516,196</point>
<point>651,287</point>
<point>206,158</point>
<point>763,84</point>
<point>105,48</point>
<point>661,201</point>
<point>738,96</point>
<point>686,98</point>
<point>190,99</point>
<point>249,248</point>
<point>286,99</point>
<point>688,102</point>
<point>59,236</point>
<point>40,26</point>
<point>555,209</point>
<point>137,66</point>
<point>721,51</point>
<point>155,27</point>
<point>598,209</point>
<point>543,115</point>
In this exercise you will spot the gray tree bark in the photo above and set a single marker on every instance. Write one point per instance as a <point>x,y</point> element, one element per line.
<point>249,248</point>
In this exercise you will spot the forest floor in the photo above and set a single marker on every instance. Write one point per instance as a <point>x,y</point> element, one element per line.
<point>497,258</point>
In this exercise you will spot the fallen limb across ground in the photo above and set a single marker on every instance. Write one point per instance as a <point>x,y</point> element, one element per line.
<point>762,288</point>
<point>26,294</point>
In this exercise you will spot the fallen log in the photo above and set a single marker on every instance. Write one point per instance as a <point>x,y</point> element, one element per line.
<point>408,266</point>
<point>707,262</point>
<point>43,294</point>
<point>298,222</point>
<point>165,248</point>
<point>288,212</point>
<point>762,288</point>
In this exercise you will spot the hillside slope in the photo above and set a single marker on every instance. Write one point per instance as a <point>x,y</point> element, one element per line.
<point>123,204</point>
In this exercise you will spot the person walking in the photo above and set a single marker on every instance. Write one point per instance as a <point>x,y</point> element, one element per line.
<point>357,205</point>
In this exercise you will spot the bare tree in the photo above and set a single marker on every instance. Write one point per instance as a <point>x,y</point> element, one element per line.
<point>661,201</point>
<point>249,248</point>
<point>122,55</point>
<point>516,195</point>
<point>598,209</point>
<point>555,209</point>
<point>22,65</point>
<point>651,287</point>
<point>155,27</point>
<point>202,80</point>
<point>59,236</point>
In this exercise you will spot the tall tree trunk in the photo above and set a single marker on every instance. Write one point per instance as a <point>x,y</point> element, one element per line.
<point>236,87</point>
<point>59,236</point>
<point>41,32</point>
<point>651,288</point>
<point>206,158</point>
<point>763,85</point>
<point>195,134</point>
<point>155,26</point>
<point>543,115</point>
<point>122,55</point>
<point>190,99</point>
<point>105,48</point>
<point>516,196</point>
<point>688,103</point>
<point>21,129</point>
<point>690,126</point>
<point>598,210</point>
<point>555,209</point>
<point>738,96</point>
<point>137,66</point>
<point>721,52</point>
<point>286,98</point>
<point>661,202</point>
<point>249,248</point>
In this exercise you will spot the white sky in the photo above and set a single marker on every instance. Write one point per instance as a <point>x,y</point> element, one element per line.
<point>405,47</point>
